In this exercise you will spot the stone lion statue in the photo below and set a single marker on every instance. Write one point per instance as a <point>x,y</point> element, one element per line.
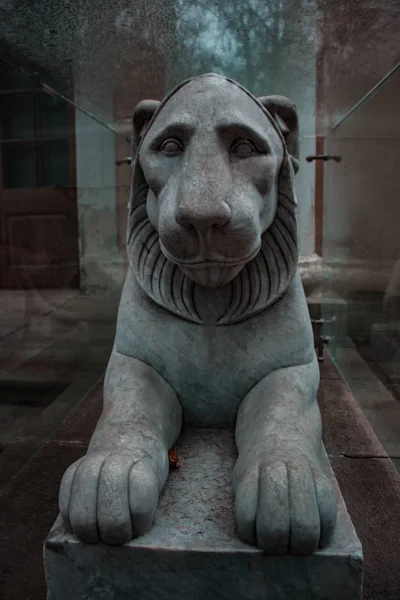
<point>213,328</point>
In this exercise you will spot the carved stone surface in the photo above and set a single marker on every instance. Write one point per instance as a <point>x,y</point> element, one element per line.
<point>193,551</point>
<point>213,329</point>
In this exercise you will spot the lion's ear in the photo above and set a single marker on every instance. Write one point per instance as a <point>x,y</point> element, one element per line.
<point>284,113</point>
<point>141,117</point>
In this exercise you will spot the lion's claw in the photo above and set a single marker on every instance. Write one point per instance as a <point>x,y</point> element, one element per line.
<point>285,506</point>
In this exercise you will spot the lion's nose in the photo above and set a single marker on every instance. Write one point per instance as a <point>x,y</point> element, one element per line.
<point>194,216</point>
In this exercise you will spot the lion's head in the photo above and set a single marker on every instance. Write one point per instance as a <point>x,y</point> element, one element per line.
<point>213,197</point>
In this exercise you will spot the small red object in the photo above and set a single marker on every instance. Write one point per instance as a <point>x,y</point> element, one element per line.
<point>173,458</point>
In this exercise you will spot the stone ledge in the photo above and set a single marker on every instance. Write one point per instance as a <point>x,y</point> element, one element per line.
<point>193,552</point>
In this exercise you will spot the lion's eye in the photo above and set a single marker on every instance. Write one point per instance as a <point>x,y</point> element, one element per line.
<point>171,146</point>
<point>243,148</point>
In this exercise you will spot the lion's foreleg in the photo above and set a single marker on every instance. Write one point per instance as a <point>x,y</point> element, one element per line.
<point>112,493</point>
<point>138,402</point>
<point>284,499</point>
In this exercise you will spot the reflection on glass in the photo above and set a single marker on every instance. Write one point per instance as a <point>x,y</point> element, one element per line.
<point>18,165</point>
<point>16,116</point>
<point>53,166</point>
<point>362,255</point>
<point>52,116</point>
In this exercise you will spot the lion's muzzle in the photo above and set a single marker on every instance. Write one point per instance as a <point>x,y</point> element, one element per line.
<point>201,218</point>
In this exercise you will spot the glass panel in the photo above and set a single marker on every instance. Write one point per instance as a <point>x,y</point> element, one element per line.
<point>52,114</point>
<point>53,163</point>
<point>16,117</point>
<point>62,240</point>
<point>18,165</point>
<point>62,269</point>
<point>362,252</point>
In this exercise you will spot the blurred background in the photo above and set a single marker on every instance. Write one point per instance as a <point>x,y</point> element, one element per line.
<point>71,73</point>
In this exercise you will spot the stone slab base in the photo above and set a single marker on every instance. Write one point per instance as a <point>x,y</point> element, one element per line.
<point>193,552</point>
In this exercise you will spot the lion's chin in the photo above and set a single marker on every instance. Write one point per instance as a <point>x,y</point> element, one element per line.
<point>211,275</point>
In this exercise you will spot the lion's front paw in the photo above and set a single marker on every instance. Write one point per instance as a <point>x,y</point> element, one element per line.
<point>109,496</point>
<point>284,506</point>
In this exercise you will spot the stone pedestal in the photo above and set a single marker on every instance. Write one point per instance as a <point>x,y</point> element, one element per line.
<point>193,553</point>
